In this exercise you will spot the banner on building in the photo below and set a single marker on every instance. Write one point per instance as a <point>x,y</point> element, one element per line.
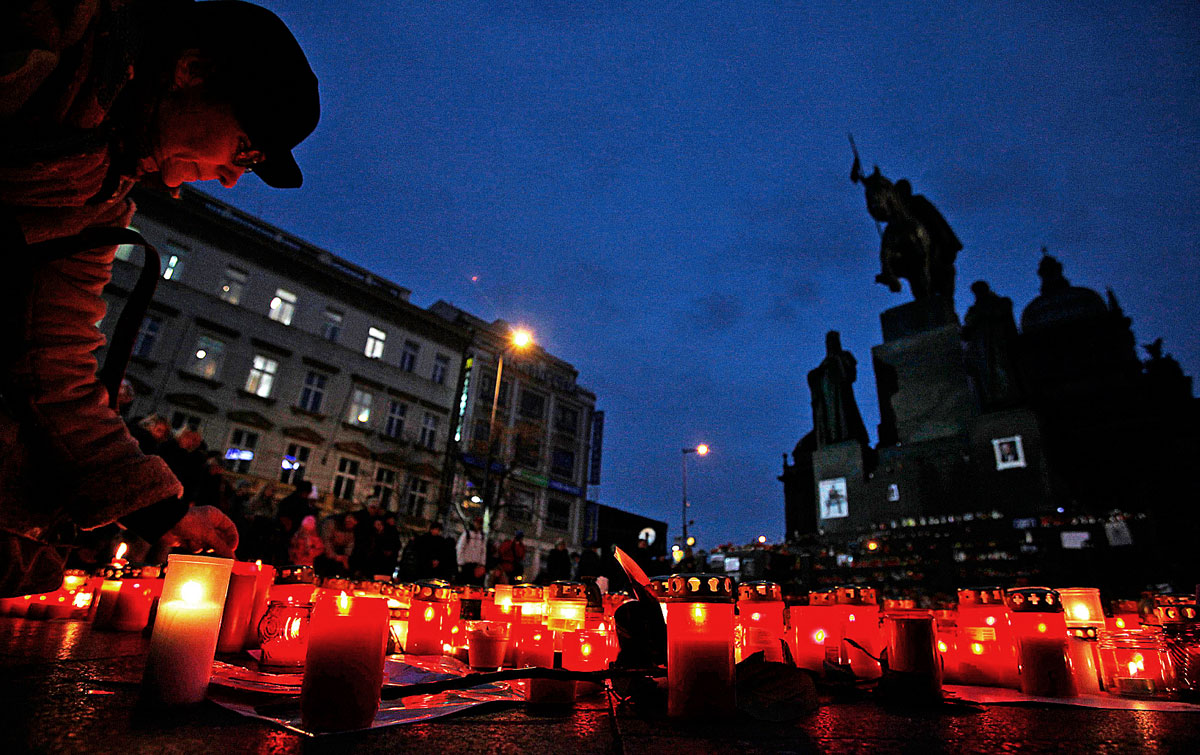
<point>832,495</point>
<point>597,447</point>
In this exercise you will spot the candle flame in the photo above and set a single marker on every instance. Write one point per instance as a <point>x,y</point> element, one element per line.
<point>990,621</point>
<point>1081,612</point>
<point>258,564</point>
<point>1120,623</point>
<point>1137,664</point>
<point>192,592</point>
<point>852,617</point>
<point>698,612</point>
<point>977,648</point>
<point>1041,628</point>
<point>756,616</point>
<point>942,646</point>
<point>343,604</point>
<point>429,613</point>
<point>447,647</point>
<point>122,549</point>
<point>82,599</point>
<point>819,636</point>
<point>585,649</point>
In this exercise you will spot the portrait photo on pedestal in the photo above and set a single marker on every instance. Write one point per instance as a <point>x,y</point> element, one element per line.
<point>1010,453</point>
<point>832,496</point>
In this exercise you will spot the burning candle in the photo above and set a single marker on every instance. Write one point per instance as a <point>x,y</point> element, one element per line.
<point>528,604</point>
<point>264,578</point>
<point>987,649</point>
<point>343,668</point>
<point>283,633</point>
<point>487,642</point>
<point>429,620</point>
<point>184,640</point>
<point>808,628</point>
<point>700,646</point>
<point>1041,632</point>
<point>585,650</point>
<point>1136,663</point>
<point>501,606</point>
<point>106,603</point>
<point>239,604</point>
<point>537,649</point>
<point>760,621</point>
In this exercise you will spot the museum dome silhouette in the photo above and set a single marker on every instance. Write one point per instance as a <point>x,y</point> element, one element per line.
<point>1059,302</point>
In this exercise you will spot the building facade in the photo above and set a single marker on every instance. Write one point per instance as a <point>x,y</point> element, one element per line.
<point>292,362</point>
<point>542,442</point>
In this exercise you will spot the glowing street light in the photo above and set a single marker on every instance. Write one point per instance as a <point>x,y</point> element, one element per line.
<point>700,450</point>
<point>519,339</point>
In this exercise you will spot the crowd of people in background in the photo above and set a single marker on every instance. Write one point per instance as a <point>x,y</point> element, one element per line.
<point>282,524</point>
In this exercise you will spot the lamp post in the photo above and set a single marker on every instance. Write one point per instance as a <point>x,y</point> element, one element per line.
<point>700,450</point>
<point>518,339</point>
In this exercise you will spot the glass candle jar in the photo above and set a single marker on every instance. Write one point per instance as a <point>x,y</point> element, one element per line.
<point>565,603</point>
<point>700,647</point>
<point>283,633</point>
<point>760,621</point>
<point>1136,663</point>
<point>528,604</point>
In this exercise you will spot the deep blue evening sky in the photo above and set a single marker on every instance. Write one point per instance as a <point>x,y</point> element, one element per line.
<point>661,190</point>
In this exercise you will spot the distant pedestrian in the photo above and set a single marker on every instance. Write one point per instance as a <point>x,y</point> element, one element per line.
<point>511,557</point>
<point>558,562</point>
<point>306,545</point>
<point>471,550</point>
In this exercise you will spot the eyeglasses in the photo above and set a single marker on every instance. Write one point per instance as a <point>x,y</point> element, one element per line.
<point>246,156</point>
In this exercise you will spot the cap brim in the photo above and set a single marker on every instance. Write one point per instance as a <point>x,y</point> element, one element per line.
<point>280,171</point>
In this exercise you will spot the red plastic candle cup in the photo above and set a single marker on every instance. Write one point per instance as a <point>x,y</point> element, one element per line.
<point>184,640</point>
<point>700,646</point>
<point>529,604</point>
<point>760,622</point>
<point>911,641</point>
<point>585,650</point>
<point>343,668</point>
<point>1084,651</point>
<point>537,649</point>
<point>132,610</point>
<point>487,643</point>
<point>429,619</point>
<point>808,628</point>
<point>987,648</point>
<point>1041,632</point>
<point>566,607</point>
<point>239,604</point>
<point>264,578</point>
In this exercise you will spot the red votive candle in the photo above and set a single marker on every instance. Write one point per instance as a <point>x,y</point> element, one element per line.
<point>429,619</point>
<point>760,621</point>
<point>987,648</point>
<point>264,578</point>
<point>283,634</point>
<point>343,668</point>
<point>1041,631</point>
<point>487,642</point>
<point>239,604</point>
<point>135,599</point>
<point>537,649</point>
<point>700,646</point>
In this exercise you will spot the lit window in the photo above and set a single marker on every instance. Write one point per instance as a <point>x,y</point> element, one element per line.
<point>313,392</point>
<point>206,357</point>
<point>360,407</point>
<point>441,365</point>
<point>147,336</point>
<point>428,437</point>
<point>232,285</point>
<point>293,464</point>
<point>375,340</point>
<point>240,452</point>
<point>262,376</point>
<point>408,357</point>
<point>283,306</point>
<point>344,479</point>
<point>331,328</point>
<point>172,261</point>
<point>394,425</point>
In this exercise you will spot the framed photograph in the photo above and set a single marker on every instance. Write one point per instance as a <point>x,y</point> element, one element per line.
<point>1010,453</point>
<point>832,495</point>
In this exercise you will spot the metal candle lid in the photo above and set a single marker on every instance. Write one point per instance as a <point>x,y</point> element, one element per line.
<point>822,598</point>
<point>566,590</point>
<point>707,588</point>
<point>471,592</point>
<point>296,574</point>
<point>433,591</point>
<point>658,586</point>
<point>980,596</point>
<point>1034,600</point>
<point>527,594</point>
<point>759,592</point>
<point>853,595</point>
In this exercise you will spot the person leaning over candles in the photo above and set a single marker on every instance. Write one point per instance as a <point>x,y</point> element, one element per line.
<point>96,97</point>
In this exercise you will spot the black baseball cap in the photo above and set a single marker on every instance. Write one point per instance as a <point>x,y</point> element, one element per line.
<point>259,64</point>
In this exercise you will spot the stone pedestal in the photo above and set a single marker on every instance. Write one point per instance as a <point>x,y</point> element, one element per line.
<point>924,393</point>
<point>843,461</point>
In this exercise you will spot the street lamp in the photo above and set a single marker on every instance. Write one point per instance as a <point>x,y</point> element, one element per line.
<point>700,450</point>
<point>519,338</point>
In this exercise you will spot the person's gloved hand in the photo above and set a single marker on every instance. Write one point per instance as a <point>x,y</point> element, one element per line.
<point>201,528</point>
